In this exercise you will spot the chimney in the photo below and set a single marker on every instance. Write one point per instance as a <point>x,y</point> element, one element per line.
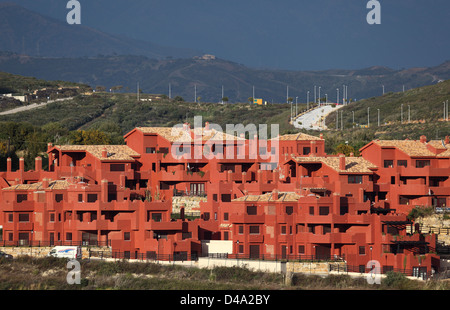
<point>341,162</point>
<point>21,164</point>
<point>321,136</point>
<point>313,147</point>
<point>38,163</point>
<point>8,164</point>
<point>423,138</point>
<point>275,194</point>
<point>351,154</point>
<point>45,183</point>
<point>447,140</point>
<point>49,146</point>
<point>244,177</point>
<point>104,153</point>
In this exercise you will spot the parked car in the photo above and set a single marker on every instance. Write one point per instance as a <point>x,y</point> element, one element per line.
<point>5,255</point>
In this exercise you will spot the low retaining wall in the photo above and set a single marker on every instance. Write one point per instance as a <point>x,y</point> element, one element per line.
<point>43,251</point>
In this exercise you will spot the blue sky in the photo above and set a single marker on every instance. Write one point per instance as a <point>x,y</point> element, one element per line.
<point>286,34</point>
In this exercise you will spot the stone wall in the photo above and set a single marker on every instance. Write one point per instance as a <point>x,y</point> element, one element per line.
<point>43,251</point>
<point>191,204</point>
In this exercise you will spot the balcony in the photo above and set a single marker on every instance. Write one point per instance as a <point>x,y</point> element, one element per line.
<point>183,176</point>
<point>413,189</point>
<point>248,219</point>
<point>152,225</point>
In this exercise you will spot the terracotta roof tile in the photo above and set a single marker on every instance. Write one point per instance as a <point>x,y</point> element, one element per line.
<point>282,196</point>
<point>55,184</point>
<point>412,148</point>
<point>114,152</point>
<point>177,134</point>
<point>352,164</point>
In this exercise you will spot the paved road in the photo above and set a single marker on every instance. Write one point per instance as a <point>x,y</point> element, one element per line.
<point>32,106</point>
<point>315,119</point>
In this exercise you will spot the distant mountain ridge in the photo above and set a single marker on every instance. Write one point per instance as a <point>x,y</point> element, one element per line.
<point>46,48</point>
<point>27,32</point>
<point>184,76</point>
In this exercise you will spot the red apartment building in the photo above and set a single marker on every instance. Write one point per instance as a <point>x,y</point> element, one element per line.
<point>300,202</point>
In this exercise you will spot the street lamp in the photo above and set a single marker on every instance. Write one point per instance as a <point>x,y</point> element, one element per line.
<point>307,100</point>
<point>378,117</point>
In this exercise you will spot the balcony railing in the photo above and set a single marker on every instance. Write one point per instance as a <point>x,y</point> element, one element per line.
<point>180,193</point>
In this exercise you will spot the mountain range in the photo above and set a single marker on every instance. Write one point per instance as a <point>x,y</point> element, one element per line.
<point>29,33</point>
<point>45,48</point>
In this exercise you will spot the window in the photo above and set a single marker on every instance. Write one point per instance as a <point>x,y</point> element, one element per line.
<point>355,179</point>
<point>157,217</point>
<point>92,198</point>
<point>289,210</point>
<point>164,150</point>
<point>388,163</point>
<point>362,250</point>
<point>10,217</point>
<point>241,229</point>
<point>24,217</point>
<point>283,230</point>
<point>225,216</point>
<point>206,216</point>
<point>254,230</point>
<point>226,197</point>
<point>311,210</point>
<point>306,150</point>
<point>80,197</point>
<point>59,197</point>
<point>126,236</point>
<point>150,150</point>
<point>402,163</point>
<point>422,163</point>
<point>22,197</point>
<point>301,249</point>
<point>403,200</point>
<point>68,236</point>
<point>117,167</point>
<point>251,210</point>
<point>52,217</point>
<point>324,210</point>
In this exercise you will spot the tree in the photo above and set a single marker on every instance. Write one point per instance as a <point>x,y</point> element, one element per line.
<point>250,99</point>
<point>89,137</point>
<point>225,99</point>
<point>345,149</point>
<point>178,99</point>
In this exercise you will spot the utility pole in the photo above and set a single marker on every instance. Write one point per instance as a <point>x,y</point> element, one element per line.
<point>401,113</point>
<point>319,94</point>
<point>368,117</point>
<point>337,120</point>
<point>342,120</point>
<point>409,113</point>
<point>170,91</point>
<point>315,96</point>
<point>337,96</point>
<point>138,91</point>
<point>353,114</point>
<point>195,93</point>
<point>307,100</point>
<point>378,117</point>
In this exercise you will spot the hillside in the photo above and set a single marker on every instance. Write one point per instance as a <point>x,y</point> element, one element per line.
<point>184,74</point>
<point>30,33</point>
<point>17,84</point>
<point>423,110</point>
